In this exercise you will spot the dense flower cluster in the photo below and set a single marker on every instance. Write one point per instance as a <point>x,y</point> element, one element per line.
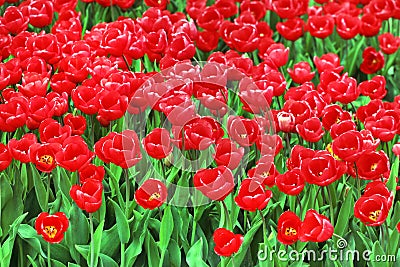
<point>326,126</point>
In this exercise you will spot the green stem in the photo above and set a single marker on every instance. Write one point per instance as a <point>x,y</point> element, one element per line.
<point>228,220</point>
<point>48,191</point>
<point>48,255</point>
<point>91,240</point>
<point>264,227</point>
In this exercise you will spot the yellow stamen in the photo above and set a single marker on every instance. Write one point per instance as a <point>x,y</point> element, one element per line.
<point>51,231</point>
<point>154,196</point>
<point>289,231</point>
<point>374,215</point>
<point>47,159</point>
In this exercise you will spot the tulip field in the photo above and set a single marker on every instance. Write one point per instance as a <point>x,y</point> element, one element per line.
<point>218,133</point>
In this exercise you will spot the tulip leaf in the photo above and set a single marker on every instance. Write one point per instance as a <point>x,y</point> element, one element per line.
<point>7,247</point>
<point>166,229</point>
<point>39,189</point>
<point>30,236</point>
<point>194,257</point>
<point>6,192</point>
<point>153,255</point>
<point>124,232</point>
<point>139,234</point>
<point>377,254</point>
<point>78,234</point>
<point>346,210</point>
<point>97,242</point>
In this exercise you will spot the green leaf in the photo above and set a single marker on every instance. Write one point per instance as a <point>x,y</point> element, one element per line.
<point>124,232</point>
<point>78,232</point>
<point>342,222</point>
<point>377,253</point>
<point>6,192</point>
<point>167,225</point>
<point>153,256</point>
<point>29,235</point>
<point>194,257</point>
<point>97,242</point>
<point>39,188</point>
<point>7,247</point>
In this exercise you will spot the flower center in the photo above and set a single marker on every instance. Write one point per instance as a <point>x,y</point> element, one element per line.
<point>374,215</point>
<point>265,174</point>
<point>243,136</point>
<point>46,159</point>
<point>374,166</point>
<point>289,231</point>
<point>51,231</point>
<point>154,196</point>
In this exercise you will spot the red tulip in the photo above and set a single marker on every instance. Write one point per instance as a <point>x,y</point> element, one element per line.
<point>322,169</point>
<point>378,188</point>
<point>5,157</point>
<point>388,43</point>
<point>199,133</point>
<point>88,197</point>
<point>291,182</point>
<point>371,210</point>
<point>292,29</point>
<point>372,165</point>
<point>122,149</point>
<point>245,38</point>
<point>158,143</point>
<point>396,149</point>
<point>227,8</point>
<point>383,125</point>
<point>210,19</point>
<point>40,13</point>
<point>338,129</point>
<point>298,154</point>
<point>207,41</point>
<point>13,114</point>
<point>90,171</point>
<point>226,242</point>
<point>343,90</point>
<point>289,9</point>
<point>311,130</point>
<point>265,172</point>
<point>277,54</point>
<point>181,47</point>
<point>214,183</point>
<point>77,123</point>
<point>315,228</point>
<point>301,72</point>
<point>39,110</point>
<point>50,131</point>
<point>329,61</point>
<point>252,196</point>
<point>52,227</point>
<point>381,9</point>
<point>43,156</point>
<point>20,148</point>
<point>288,228</point>
<point>370,25</point>
<point>334,114</point>
<point>151,194</point>
<point>347,26</point>
<point>243,131</point>
<point>14,20</point>
<point>74,154</point>
<point>228,154</point>
<point>320,26</point>
<point>348,146</point>
<point>372,61</point>
<point>374,88</point>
